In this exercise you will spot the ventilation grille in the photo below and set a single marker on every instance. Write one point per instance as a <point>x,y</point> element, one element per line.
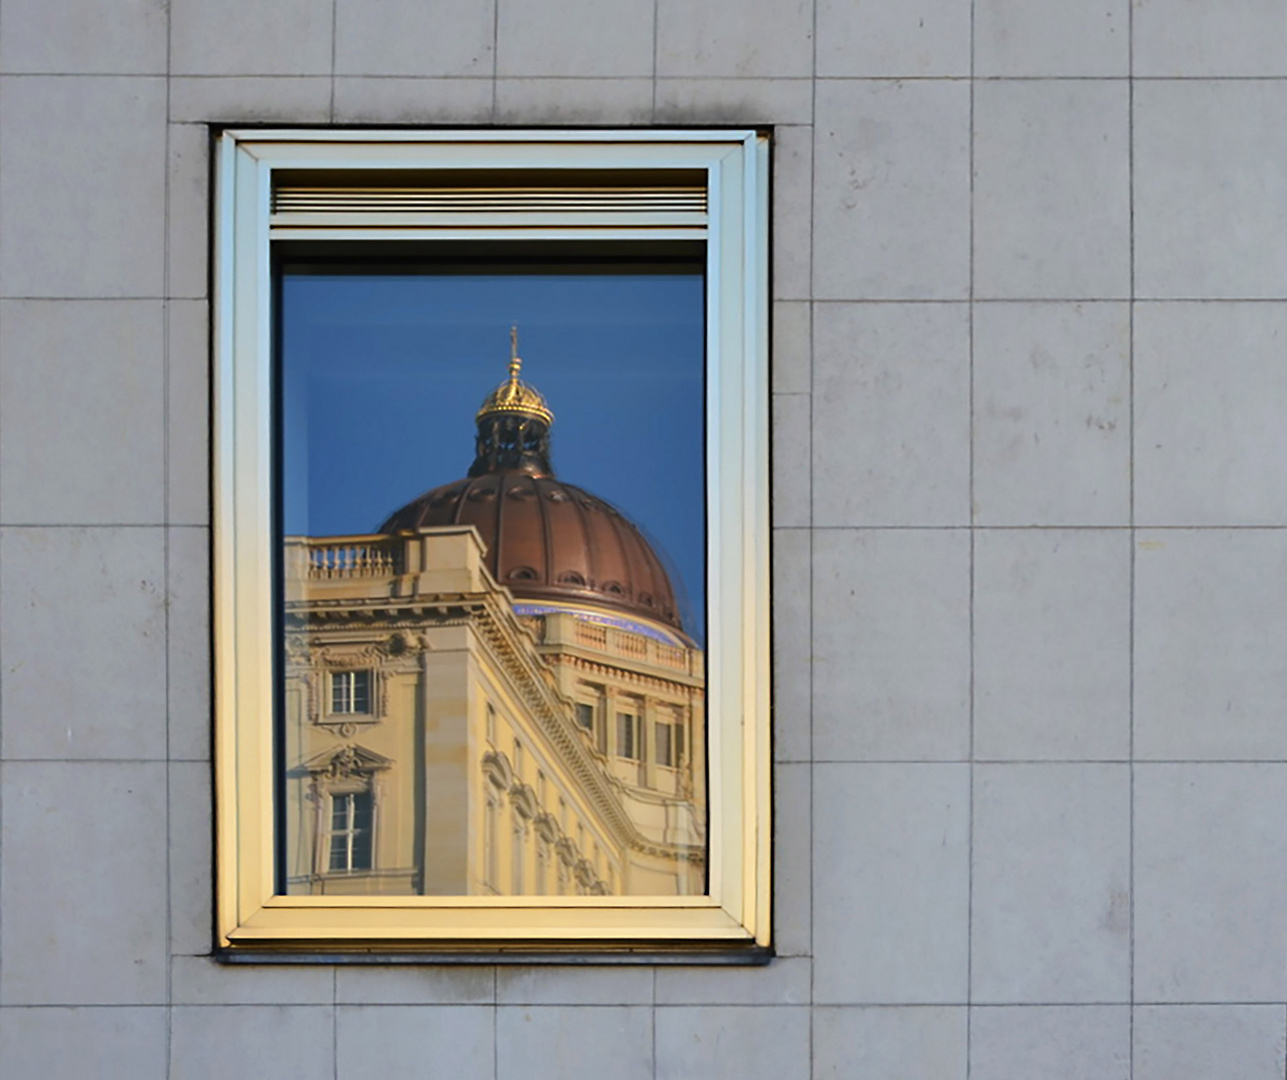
<point>482,200</point>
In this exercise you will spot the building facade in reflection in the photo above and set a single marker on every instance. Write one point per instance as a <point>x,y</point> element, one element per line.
<point>493,694</point>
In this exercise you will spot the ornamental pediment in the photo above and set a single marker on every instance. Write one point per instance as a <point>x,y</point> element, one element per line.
<point>345,761</point>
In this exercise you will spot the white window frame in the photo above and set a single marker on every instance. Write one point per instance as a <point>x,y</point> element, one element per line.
<point>733,918</point>
<point>351,676</point>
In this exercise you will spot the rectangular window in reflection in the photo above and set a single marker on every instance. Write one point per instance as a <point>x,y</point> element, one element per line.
<point>492,504</point>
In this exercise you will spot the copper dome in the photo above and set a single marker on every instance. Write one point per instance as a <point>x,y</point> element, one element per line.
<point>546,540</point>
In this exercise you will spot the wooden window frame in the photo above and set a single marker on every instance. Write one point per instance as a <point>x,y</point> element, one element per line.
<point>732,920</point>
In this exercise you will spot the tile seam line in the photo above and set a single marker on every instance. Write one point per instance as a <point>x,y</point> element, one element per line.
<point>193,298</point>
<point>1123,1004</point>
<point>1134,545</point>
<point>811,277</point>
<point>971,516</point>
<point>166,312</point>
<point>892,78</point>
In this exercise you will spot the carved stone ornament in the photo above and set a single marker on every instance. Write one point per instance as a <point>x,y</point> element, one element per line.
<point>567,851</point>
<point>345,763</point>
<point>547,828</point>
<point>523,799</point>
<point>498,770</point>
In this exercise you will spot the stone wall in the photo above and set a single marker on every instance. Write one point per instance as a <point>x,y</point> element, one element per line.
<point>1030,312</point>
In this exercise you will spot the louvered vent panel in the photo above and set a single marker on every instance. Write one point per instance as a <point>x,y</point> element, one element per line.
<point>560,200</point>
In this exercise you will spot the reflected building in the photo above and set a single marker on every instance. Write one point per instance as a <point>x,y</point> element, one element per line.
<point>493,694</point>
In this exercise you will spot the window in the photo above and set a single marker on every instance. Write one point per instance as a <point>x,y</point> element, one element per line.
<point>350,691</point>
<point>351,819</point>
<point>347,524</point>
<point>627,730</point>
<point>663,736</point>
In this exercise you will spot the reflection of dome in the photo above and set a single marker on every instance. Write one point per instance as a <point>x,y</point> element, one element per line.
<point>546,540</point>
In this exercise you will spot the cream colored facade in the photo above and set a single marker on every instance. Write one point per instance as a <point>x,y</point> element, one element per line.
<point>442,739</point>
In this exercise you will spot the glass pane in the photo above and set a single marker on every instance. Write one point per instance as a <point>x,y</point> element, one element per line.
<point>340,696</point>
<point>361,851</point>
<point>339,813</point>
<point>625,735</point>
<point>339,852</point>
<point>361,692</point>
<point>662,732</point>
<point>468,535</point>
<point>362,811</point>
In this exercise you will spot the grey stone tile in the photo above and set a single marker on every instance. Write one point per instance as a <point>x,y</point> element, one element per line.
<point>1210,616</point>
<point>1052,190</point>
<point>379,1042</point>
<point>1084,1042</point>
<point>732,1043</point>
<point>1210,883</point>
<point>891,883</point>
<point>551,1042</point>
<point>792,498</point>
<point>82,640</point>
<point>82,412</point>
<point>93,1043</point>
<point>1209,1042</point>
<point>1051,900</point>
<point>885,1042</point>
<point>232,1042</point>
<point>792,351</point>
<point>792,216</point>
<point>1208,378</point>
<point>239,99</point>
<point>1052,414</point>
<point>202,980</point>
<point>916,38</point>
<point>573,101</point>
<point>191,868</point>
<point>735,38</point>
<point>1048,38</point>
<point>792,645</point>
<point>189,211</point>
<point>734,101</point>
<point>407,37</point>
<point>188,645</point>
<point>1052,623</point>
<point>892,190</point>
<point>407,985</point>
<point>1193,38</point>
<point>413,101</point>
<point>891,644</point>
<point>65,37</point>
<point>65,236</point>
<point>574,37</point>
<point>891,442</point>
<point>785,981</point>
<point>251,37</point>
<point>188,429</point>
<point>792,860</point>
<point>74,834</point>
<point>553,985</point>
<point>1204,229</point>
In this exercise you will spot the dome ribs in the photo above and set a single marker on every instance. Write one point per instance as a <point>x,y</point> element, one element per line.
<point>555,529</point>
